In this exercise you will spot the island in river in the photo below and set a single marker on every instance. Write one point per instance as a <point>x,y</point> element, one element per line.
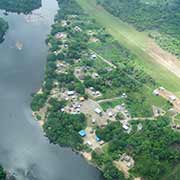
<point>20,6</point>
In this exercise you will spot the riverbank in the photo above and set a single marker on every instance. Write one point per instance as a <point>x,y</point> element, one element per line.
<point>3,29</point>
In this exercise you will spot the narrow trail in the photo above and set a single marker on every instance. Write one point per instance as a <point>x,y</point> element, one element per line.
<point>108,100</point>
<point>103,59</point>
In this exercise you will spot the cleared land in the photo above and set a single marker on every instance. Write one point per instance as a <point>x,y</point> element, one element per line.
<point>162,66</point>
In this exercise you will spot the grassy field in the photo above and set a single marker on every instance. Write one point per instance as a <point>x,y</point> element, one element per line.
<point>133,40</point>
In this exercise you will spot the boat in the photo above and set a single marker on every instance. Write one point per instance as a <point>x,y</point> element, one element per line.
<point>19,45</point>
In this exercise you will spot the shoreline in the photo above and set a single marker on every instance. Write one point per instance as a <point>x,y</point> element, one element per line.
<point>85,155</point>
<point>86,68</point>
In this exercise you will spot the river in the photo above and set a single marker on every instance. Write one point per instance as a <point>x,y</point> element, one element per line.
<point>24,150</point>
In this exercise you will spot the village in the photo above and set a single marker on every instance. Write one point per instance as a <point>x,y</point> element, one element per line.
<point>90,101</point>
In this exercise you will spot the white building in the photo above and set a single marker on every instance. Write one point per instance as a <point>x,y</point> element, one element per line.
<point>98,111</point>
<point>70,93</point>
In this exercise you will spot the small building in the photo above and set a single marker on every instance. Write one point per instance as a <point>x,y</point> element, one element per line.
<point>89,143</point>
<point>97,93</point>
<point>66,98</point>
<point>82,133</point>
<point>139,127</point>
<point>110,114</point>
<point>98,139</point>
<point>77,29</point>
<point>93,56</point>
<point>95,75</point>
<point>64,23</point>
<point>162,88</point>
<point>125,127</point>
<point>172,98</point>
<point>91,88</point>
<point>93,121</point>
<point>66,46</point>
<point>124,95</point>
<point>59,35</point>
<point>70,93</point>
<point>81,99</point>
<point>98,111</point>
<point>156,92</point>
<point>101,142</point>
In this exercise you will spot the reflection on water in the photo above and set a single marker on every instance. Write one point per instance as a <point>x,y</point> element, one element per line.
<point>23,148</point>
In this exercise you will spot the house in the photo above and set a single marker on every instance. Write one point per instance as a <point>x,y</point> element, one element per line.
<point>91,88</point>
<point>139,127</point>
<point>97,93</point>
<point>64,23</point>
<point>156,92</point>
<point>162,88</point>
<point>98,139</point>
<point>95,75</point>
<point>124,95</point>
<point>66,46</point>
<point>81,99</point>
<point>77,29</point>
<point>70,93</point>
<point>93,56</point>
<point>172,98</point>
<point>59,35</point>
<point>110,114</point>
<point>93,121</point>
<point>98,111</point>
<point>89,143</point>
<point>125,127</point>
<point>82,133</point>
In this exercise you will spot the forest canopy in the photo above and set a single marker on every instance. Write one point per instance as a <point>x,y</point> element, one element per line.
<point>159,16</point>
<point>20,6</point>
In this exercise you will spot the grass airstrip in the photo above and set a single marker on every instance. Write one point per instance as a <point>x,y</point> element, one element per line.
<point>136,41</point>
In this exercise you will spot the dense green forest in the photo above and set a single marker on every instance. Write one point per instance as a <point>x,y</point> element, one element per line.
<point>158,16</point>
<point>155,148</point>
<point>3,29</point>
<point>20,6</point>
<point>2,174</point>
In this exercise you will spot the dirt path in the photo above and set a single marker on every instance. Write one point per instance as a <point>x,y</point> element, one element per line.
<point>142,118</point>
<point>108,100</point>
<point>164,58</point>
<point>105,60</point>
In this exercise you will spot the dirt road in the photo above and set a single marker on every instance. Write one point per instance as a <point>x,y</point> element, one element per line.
<point>164,58</point>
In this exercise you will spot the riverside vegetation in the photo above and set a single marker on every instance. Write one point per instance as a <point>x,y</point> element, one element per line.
<point>2,174</point>
<point>3,29</point>
<point>77,41</point>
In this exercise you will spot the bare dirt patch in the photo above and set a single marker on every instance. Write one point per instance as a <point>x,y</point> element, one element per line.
<point>164,58</point>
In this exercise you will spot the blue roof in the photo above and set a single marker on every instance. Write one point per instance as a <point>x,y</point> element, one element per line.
<point>82,133</point>
<point>97,139</point>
